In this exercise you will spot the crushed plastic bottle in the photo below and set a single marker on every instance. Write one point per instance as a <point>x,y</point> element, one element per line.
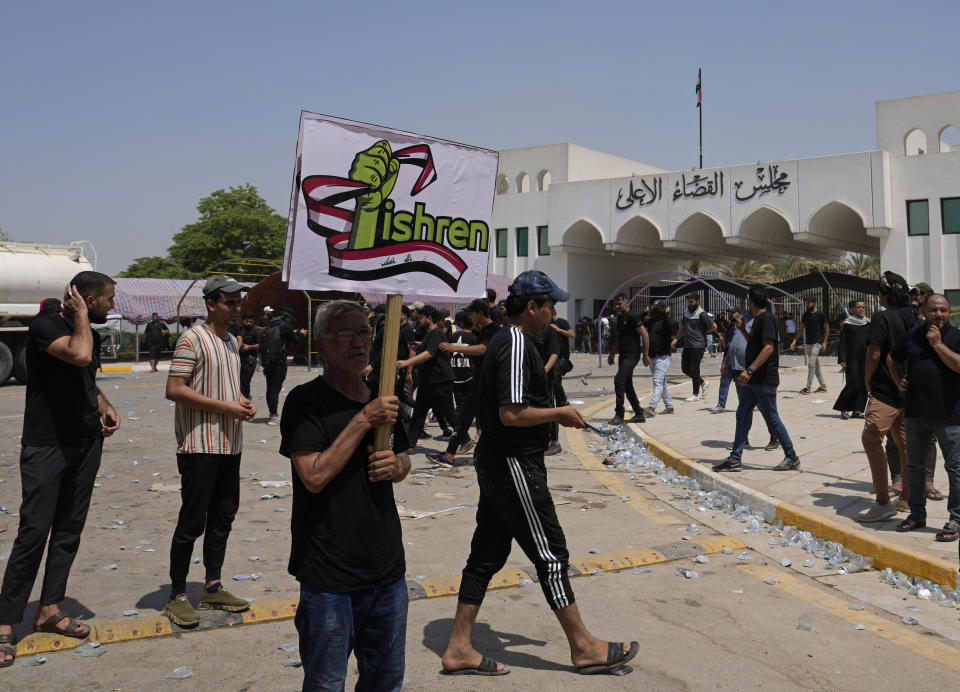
<point>292,663</point>
<point>860,627</point>
<point>770,580</point>
<point>910,620</point>
<point>805,623</point>
<point>109,568</point>
<point>290,647</point>
<point>856,606</point>
<point>642,570</point>
<point>809,564</point>
<point>726,551</point>
<point>687,573</point>
<point>90,649</point>
<point>701,559</point>
<point>786,562</point>
<point>181,673</point>
<point>737,591</point>
<point>31,662</point>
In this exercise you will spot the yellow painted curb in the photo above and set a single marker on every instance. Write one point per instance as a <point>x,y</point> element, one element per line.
<point>604,563</point>
<point>129,629</point>
<point>643,556</point>
<point>884,553</point>
<point>714,544</point>
<point>442,586</point>
<point>274,609</point>
<point>43,643</point>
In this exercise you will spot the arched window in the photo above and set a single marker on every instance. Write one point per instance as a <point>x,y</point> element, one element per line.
<point>915,143</point>
<point>543,180</point>
<point>949,139</point>
<point>523,183</point>
<point>503,184</point>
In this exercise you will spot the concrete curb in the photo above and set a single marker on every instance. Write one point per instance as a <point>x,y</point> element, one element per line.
<point>884,553</point>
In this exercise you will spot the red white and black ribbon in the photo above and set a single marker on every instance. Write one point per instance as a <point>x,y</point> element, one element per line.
<point>331,207</point>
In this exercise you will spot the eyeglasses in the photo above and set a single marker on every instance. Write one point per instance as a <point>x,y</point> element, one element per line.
<point>365,333</point>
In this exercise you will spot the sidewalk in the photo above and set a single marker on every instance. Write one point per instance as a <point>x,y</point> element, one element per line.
<point>833,482</point>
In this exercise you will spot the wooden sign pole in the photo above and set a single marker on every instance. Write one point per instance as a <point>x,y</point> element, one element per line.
<point>388,363</point>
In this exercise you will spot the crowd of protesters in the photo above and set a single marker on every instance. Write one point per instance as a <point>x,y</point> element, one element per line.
<point>491,375</point>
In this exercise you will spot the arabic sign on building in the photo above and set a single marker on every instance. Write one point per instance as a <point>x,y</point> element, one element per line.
<point>725,192</point>
<point>377,209</point>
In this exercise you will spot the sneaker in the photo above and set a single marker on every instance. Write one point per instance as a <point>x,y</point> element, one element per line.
<point>805,390</point>
<point>222,599</point>
<point>692,398</point>
<point>616,420</point>
<point>466,447</point>
<point>822,388</point>
<point>638,417</point>
<point>877,512</point>
<point>788,464</point>
<point>772,445</point>
<point>731,464</point>
<point>180,612</point>
<point>553,449</point>
<point>703,389</point>
<point>649,412</point>
<point>718,409</point>
<point>274,420</point>
<point>667,411</point>
<point>440,458</point>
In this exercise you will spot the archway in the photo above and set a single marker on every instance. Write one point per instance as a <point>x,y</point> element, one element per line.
<point>583,234</point>
<point>949,139</point>
<point>640,233</point>
<point>915,142</point>
<point>523,182</point>
<point>839,226</point>
<point>543,180</point>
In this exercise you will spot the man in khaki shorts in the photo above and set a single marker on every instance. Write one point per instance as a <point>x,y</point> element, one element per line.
<point>204,382</point>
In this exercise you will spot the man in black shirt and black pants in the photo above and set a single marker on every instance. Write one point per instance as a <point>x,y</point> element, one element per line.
<point>515,501</point>
<point>930,354</point>
<point>758,385</point>
<point>632,344</point>
<point>273,345</point>
<point>155,335</point>
<point>64,422</point>
<point>248,334</point>
<point>435,389</point>
<point>347,547</point>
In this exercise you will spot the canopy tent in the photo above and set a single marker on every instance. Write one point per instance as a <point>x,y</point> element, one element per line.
<point>495,281</point>
<point>137,299</point>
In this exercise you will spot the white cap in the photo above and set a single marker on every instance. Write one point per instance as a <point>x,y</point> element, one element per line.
<point>267,308</point>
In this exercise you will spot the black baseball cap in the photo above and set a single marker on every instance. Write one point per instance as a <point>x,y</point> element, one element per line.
<point>533,282</point>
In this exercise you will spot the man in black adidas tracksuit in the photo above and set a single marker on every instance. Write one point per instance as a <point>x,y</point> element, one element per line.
<point>515,412</point>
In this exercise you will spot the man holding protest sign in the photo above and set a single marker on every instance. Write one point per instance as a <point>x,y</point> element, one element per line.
<point>515,503</point>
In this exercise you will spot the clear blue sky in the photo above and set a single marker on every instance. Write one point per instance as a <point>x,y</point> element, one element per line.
<point>117,117</point>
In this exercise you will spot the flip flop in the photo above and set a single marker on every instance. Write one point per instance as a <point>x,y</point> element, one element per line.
<point>616,657</point>
<point>910,524</point>
<point>74,629</point>
<point>934,494</point>
<point>8,647</point>
<point>487,667</point>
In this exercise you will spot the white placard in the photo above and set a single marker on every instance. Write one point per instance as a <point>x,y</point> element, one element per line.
<point>377,209</point>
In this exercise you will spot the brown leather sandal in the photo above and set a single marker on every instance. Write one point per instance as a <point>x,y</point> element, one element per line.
<point>74,628</point>
<point>8,647</point>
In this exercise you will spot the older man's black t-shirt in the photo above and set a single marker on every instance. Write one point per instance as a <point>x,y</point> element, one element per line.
<point>512,374</point>
<point>61,400</point>
<point>886,330</point>
<point>346,537</point>
<point>437,369</point>
<point>764,327</point>
<point>934,389</point>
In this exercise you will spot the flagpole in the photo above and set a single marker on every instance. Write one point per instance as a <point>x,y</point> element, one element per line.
<point>700,108</point>
<point>701,133</point>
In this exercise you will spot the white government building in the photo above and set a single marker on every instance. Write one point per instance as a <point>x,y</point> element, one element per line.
<point>592,220</point>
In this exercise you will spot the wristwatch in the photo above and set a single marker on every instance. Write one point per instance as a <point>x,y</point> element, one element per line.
<point>749,371</point>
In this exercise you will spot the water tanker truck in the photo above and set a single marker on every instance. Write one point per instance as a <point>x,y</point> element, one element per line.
<point>29,273</point>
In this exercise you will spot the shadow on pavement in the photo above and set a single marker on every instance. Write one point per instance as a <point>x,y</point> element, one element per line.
<point>490,643</point>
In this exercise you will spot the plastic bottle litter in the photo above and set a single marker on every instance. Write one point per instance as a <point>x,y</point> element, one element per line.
<point>737,591</point>
<point>687,573</point>
<point>805,623</point>
<point>181,673</point>
<point>924,594</point>
<point>195,560</point>
<point>809,563</point>
<point>253,558</point>
<point>642,570</point>
<point>290,647</point>
<point>292,662</point>
<point>786,562</point>
<point>701,559</point>
<point>109,568</point>
<point>90,649</point>
<point>131,613</point>
<point>770,580</point>
<point>726,551</point>
<point>38,661</point>
<point>856,606</point>
<point>910,620</point>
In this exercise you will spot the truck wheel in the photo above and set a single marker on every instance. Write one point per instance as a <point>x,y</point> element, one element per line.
<point>6,362</point>
<point>20,364</point>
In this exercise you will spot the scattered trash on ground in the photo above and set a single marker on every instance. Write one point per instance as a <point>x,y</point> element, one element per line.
<point>181,673</point>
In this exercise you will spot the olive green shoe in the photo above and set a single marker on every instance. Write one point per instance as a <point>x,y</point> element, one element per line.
<point>179,610</point>
<point>222,600</point>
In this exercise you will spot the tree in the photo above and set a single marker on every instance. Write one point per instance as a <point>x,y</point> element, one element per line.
<point>864,266</point>
<point>233,223</point>
<point>3,235</point>
<point>155,268</point>
<point>748,270</point>
<point>236,222</point>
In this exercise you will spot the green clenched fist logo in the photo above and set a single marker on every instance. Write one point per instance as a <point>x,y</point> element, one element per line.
<point>376,167</point>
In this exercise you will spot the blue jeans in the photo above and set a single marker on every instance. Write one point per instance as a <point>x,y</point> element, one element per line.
<point>371,622</point>
<point>658,368</point>
<point>764,397</point>
<point>919,431</point>
<point>724,389</point>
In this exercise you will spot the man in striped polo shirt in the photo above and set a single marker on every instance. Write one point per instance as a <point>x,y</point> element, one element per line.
<point>204,382</point>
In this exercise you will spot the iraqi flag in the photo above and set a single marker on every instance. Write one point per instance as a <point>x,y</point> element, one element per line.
<point>699,90</point>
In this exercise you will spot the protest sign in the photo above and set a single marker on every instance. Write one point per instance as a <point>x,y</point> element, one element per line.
<point>378,209</point>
